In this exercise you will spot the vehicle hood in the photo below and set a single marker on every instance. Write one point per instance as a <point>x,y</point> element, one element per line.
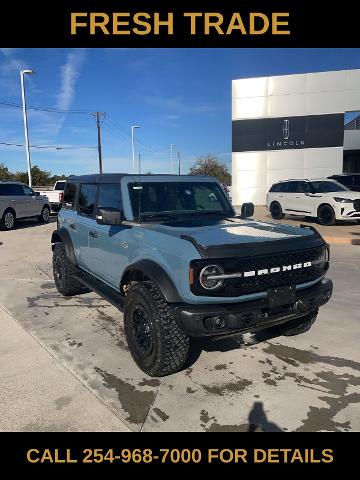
<point>231,236</point>
<point>347,194</point>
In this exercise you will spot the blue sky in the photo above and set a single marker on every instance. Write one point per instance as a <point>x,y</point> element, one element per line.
<point>180,96</point>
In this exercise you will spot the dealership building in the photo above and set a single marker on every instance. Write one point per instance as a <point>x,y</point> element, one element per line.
<point>293,126</point>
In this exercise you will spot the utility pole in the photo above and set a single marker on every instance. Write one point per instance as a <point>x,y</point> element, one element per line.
<point>26,129</point>
<point>99,117</point>
<point>179,163</point>
<point>171,156</point>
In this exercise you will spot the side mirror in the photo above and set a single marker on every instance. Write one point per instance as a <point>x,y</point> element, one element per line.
<point>109,216</point>
<point>37,194</point>
<point>247,210</point>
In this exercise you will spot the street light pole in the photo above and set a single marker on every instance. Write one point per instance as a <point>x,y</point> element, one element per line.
<point>179,163</point>
<point>171,156</point>
<point>26,129</point>
<point>133,146</point>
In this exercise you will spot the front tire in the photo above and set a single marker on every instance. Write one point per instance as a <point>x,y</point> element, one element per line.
<point>276,211</point>
<point>45,215</point>
<point>8,220</point>
<point>326,215</point>
<point>64,273</point>
<point>156,342</point>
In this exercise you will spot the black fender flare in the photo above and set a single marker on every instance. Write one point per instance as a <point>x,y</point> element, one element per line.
<point>61,235</point>
<point>156,274</point>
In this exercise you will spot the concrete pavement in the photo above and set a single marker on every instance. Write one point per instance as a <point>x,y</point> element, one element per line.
<point>38,393</point>
<point>309,382</point>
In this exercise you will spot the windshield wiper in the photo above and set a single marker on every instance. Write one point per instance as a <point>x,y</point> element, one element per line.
<point>155,215</point>
<point>212,212</point>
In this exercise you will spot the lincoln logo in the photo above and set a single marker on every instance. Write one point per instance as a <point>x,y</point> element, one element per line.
<point>286,129</point>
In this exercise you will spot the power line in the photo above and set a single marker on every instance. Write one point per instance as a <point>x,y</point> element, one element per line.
<point>45,146</point>
<point>122,129</point>
<point>42,109</point>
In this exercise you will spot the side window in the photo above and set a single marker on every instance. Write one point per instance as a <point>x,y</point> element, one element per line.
<point>283,187</point>
<point>87,199</point>
<point>303,187</point>
<point>16,190</point>
<point>110,196</point>
<point>69,195</point>
<point>293,187</point>
<point>27,190</point>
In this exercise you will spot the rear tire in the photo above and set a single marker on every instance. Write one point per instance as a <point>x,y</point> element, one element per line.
<point>64,273</point>
<point>326,215</point>
<point>45,214</point>
<point>156,342</point>
<point>305,325</point>
<point>276,211</point>
<point>8,220</point>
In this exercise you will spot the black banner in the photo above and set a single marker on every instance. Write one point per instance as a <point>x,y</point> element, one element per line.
<point>185,23</point>
<point>283,133</point>
<point>122,452</point>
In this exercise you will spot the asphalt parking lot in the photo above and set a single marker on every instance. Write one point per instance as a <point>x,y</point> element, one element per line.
<point>64,363</point>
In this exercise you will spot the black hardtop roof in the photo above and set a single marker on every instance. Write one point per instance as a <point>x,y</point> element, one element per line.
<point>116,177</point>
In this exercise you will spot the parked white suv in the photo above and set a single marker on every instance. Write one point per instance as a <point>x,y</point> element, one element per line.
<point>325,199</point>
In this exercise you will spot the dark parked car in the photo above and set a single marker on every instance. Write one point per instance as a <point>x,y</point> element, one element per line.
<point>351,180</point>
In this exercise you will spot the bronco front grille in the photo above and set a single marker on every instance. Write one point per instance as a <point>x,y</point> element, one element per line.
<point>233,287</point>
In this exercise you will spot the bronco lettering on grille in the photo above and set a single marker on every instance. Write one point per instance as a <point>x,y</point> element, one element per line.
<point>283,268</point>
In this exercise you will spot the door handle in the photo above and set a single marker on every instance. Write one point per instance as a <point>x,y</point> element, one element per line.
<point>93,234</point>
<point>73,226</point>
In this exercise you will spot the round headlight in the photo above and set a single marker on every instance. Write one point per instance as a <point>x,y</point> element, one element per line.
<point>206,274</point>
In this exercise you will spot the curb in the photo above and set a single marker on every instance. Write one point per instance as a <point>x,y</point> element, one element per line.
<point>342,240</point>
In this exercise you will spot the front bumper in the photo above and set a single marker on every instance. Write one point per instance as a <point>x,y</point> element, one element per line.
<point>348,211</point>
<point>199,320</point>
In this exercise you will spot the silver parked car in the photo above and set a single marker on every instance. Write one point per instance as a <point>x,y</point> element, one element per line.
<point>18,201</point>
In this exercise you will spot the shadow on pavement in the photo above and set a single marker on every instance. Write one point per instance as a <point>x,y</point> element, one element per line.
<point>258,421</point>
<point>32,222</point>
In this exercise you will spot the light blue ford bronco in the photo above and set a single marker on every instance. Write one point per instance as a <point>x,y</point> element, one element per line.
<point>172,254</point>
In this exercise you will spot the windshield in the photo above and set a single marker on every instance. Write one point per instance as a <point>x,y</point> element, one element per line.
<point>173,198</point>
<point>327,187</point>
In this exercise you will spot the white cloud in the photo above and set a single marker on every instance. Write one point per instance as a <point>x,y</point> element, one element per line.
<point>70,73</point>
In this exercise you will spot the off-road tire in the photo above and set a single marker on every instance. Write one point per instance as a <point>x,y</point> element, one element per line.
<point>326,215</point>
<point>44,217</point>
<point>169,345</point>
<point>4,221</point>
<point>64,273</point>
<point>276,211</point>
<point>304,325</point>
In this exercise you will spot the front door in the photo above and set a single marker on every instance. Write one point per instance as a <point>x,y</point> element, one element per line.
<point>108,244</point>
<point>84,222</point>
<point>33,204</point>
